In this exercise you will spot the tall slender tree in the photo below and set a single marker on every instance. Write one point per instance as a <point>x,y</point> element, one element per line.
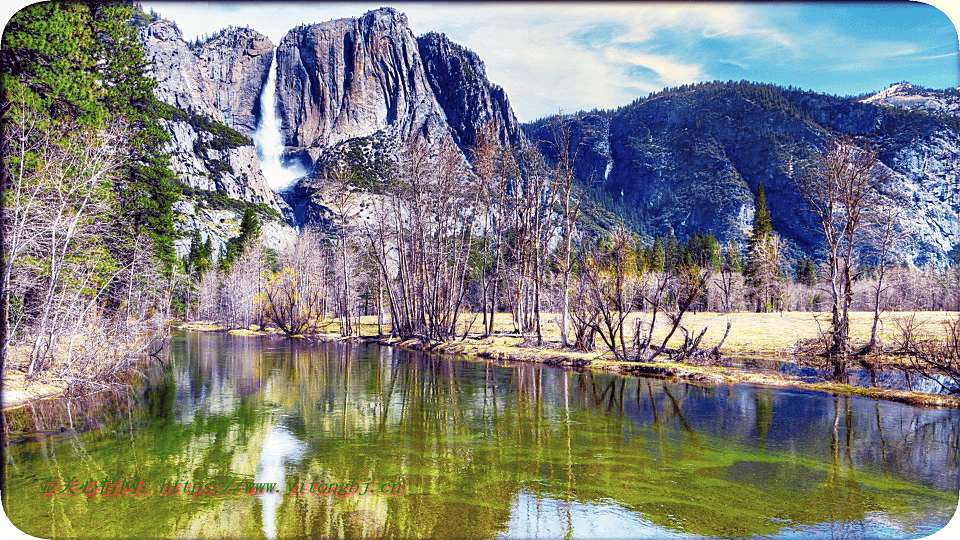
<point>839,188</point>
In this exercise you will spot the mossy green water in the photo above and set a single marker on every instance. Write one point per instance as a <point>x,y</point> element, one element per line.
<point>480,450</point>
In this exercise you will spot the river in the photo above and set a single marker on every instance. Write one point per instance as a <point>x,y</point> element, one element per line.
<point>368,441</point>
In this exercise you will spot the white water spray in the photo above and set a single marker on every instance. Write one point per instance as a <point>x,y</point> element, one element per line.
<point>269,140</point>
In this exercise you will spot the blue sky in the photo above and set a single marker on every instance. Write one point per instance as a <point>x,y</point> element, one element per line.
<point>573,56</point>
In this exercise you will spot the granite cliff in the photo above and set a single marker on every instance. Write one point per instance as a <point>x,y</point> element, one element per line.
<point>687,159</point>
<point>355,81</point>
<point>350,78</point>
<point>347,81</point>
<point>469,100</point>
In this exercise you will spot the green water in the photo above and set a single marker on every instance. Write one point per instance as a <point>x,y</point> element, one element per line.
<point>436,447</point>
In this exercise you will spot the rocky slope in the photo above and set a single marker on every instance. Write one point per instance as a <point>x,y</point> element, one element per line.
<point>221,78</point>
<point>690,159</point>
<point>369,79</point>
<point>459,81</point>
<point>213,91</point>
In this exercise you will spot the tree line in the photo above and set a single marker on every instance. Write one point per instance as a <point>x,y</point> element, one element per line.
<point>441,245</point>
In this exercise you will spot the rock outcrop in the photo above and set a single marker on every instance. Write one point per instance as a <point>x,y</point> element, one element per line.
<point>221,78</point>
<point>365,78</point>
<point>459,82</point>
<point>368,79</point>
<point>214,89</point>
<point>350,78</point>
<point>908,96</point>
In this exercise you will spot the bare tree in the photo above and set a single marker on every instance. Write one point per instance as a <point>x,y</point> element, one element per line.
<point>683,291</point>
<point>243,286</point>
<point>58,198</point>
<point>532,204</point>
<point>294,296</point>
<point>344,204</point>
<point>885,234</point>
<point>496,172</point>
<point>421,241</point>
<point>936,358</point>
<point>612,277</point>
<point>730,282</point>
<point>842,185</point>
<point>570,198</point>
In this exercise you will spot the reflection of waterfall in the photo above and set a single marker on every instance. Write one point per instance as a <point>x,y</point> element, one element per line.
<point>269,140</point>
<point>279,447</point>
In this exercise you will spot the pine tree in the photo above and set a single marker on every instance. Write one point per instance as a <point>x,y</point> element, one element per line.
<point>249,226</point>
<point>656,258</point>
<point>249,230</point>
<point>81,65</point>
<point>761,215</point>
<point>807,272</point>
<point>763,257</point>
<point>151,187</point>
<point>733,261</point>
<point>672,255</point>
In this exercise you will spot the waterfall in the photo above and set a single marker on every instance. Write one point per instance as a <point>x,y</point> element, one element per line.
<point>269,140</point>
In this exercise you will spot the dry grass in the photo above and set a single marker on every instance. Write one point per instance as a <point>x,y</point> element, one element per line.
<point>97,355</point>
<point>758,335</point>
<point>17,390</point>
<point>764,335</point>
<point>751,334</point>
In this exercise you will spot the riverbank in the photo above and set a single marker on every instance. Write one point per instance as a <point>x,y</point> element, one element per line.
<point>86,361</point>
<point>765,336</point>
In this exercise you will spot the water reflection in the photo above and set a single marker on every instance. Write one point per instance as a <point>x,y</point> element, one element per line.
<point>876,377</point>
<point>280,447</point>
<point>482,450</point>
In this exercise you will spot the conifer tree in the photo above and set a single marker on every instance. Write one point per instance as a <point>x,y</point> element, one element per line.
<point>807,272</point>
<point>656,258</point>
<point>733,261</point>
<point>764,253</point>
<point>761,215</point>
<point>81,64</point>
<point>671,253</point>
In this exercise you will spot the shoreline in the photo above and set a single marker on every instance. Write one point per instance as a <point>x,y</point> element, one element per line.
<point>697,374</point>
<point>505,347</point>
<point>489,349</point>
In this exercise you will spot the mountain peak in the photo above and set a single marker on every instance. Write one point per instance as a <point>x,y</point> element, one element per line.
<point>908,96</point>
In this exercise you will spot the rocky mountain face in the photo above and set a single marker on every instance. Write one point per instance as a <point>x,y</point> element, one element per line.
<point>221,78</point>
<point>691,159</point>
<point>350,78</point>
<point>687,160</point>
<point>363,79</point>
<point>213,91</point>
<point>369,79</point>
<point>459,81</point>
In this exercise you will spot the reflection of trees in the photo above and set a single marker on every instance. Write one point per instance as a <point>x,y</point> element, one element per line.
<point>469,439</point>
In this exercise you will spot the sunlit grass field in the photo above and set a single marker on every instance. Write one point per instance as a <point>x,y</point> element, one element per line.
<point>751,334</point>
